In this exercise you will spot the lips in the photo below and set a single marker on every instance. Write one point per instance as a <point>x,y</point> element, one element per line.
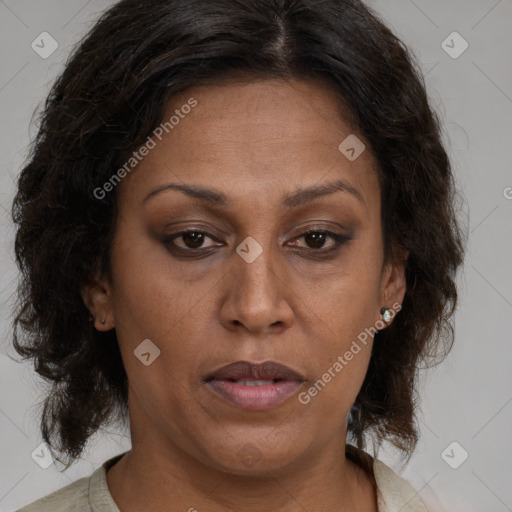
<point>269,370</point>
<point>254,386</point>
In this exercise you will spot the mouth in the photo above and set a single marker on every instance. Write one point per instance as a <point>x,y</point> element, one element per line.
<point>253,386</point>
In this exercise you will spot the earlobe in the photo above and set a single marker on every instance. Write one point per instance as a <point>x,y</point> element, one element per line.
<point>394,282</point>
<point>96,295</point>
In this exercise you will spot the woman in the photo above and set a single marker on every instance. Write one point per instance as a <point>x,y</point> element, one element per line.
<point>237,234</point>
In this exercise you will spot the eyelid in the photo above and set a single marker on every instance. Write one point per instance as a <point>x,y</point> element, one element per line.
<point>339,239</point>
<point>169,239</point>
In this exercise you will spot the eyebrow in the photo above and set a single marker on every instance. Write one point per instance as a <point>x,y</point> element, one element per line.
<point>293,200</point>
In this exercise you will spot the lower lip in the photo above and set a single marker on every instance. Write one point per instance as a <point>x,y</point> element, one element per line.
<point>256,398</point>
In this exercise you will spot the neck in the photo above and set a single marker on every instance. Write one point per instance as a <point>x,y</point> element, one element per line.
<point>161,475</point>
<point>147,478</point>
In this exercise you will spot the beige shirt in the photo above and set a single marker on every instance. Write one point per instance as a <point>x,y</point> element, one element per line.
<point>91,494</point>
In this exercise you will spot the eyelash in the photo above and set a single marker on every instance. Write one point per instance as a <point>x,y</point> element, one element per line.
<point>338,238</point>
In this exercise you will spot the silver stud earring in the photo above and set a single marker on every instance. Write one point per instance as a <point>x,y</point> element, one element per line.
<point>386,314</point>
<point>103,321</point>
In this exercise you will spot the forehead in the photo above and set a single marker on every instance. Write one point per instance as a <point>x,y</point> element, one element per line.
<point>265,112</point>
<point>273,133</point>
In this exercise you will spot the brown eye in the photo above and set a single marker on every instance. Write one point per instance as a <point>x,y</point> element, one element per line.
<point>316,239</point>
<point>193,239</point>
<point>190,240</point>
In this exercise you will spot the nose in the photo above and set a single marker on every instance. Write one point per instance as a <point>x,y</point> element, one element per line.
<point>258,296</point>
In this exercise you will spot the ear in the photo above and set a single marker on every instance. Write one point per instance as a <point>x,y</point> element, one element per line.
<point>393,282</point>
<point>97,296</point>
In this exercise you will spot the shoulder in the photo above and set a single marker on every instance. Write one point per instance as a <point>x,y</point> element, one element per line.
<point>72,497</point>
<point>395,493</point>
<point>88,494</point>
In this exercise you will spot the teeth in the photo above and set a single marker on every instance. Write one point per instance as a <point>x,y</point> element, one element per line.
<point>255,382</point>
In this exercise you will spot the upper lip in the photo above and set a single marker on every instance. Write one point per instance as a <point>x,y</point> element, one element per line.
<point>268,370</point>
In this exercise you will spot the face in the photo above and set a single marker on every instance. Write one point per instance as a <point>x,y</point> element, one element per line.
<point>262,166</point>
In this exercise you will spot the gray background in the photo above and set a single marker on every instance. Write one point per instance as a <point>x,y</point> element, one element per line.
<point>468,398</point>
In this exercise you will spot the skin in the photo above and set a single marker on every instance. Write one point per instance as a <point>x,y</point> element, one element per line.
<point>256,142</point>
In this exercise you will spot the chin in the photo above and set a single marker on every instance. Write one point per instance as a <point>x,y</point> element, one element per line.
<point>255,455</point>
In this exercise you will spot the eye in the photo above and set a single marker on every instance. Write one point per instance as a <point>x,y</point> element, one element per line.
<point>191,239</point>
<point>316,239</point>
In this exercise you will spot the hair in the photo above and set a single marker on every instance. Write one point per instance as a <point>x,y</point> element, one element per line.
<point>111,95</point>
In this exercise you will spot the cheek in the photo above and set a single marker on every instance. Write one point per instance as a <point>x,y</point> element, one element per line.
<point>341,363</point>
<point>343,323</point>
<point>349,301</point>
<point>150,304</point>
<point>149,299</point>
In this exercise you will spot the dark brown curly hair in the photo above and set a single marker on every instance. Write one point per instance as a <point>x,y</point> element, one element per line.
<point>110,97</point>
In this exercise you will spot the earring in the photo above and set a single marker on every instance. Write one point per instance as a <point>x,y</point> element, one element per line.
<point>386,314</point>
<point>91,319</point>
